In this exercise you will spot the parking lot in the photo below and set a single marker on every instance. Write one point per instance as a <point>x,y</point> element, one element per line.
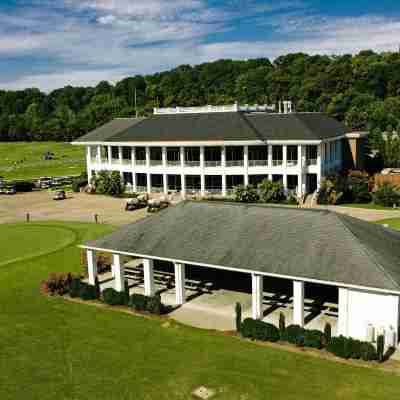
<point>77,207</point>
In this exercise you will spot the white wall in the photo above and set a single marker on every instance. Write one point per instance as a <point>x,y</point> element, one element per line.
<point>365,308</point>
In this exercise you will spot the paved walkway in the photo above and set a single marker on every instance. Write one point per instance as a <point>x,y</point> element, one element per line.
<point>363,213</point>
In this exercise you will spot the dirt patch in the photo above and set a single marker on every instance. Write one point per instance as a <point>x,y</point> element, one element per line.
<point>77,207</point>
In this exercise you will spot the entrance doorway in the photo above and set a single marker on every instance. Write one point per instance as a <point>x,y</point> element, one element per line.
<point>311,183</point>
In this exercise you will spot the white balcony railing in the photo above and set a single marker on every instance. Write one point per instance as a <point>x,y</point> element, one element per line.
<point>157,189</point>
<point>258,163</point>
<point>192,163</point>
<point>213,190</point>
<point>141,189</point>
<point>292,163</point>
<point>93,160</point>
<point>126,162</point>
<point>115,161</point>
<point>277,163</point>
<point>235,163</point>
<point>140,162</point>
<point>212,164</point>
<point>155,163</point>
<point>174,163</point>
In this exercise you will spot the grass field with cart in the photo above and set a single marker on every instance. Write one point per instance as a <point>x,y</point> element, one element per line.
<point>52,348</point>
<point>25,160</point>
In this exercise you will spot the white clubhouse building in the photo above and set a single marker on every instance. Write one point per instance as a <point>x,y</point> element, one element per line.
<point>212,149</point>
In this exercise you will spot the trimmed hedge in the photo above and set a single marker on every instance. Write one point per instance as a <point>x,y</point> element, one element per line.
<point>294,334</point>
<point>75,287</point>
<point>152,304</point>
<point>256,329</point>
<point>314,338</point>
<point>114,298</point>
<point>350,348</point>
<point>87,292</point>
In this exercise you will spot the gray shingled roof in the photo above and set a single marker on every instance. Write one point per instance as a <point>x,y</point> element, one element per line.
<point>108,130</point>
<point>309,244</point>
<point>219,126</point>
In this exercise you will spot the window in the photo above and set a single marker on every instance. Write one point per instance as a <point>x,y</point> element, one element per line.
<point>311,154</point>
<point>292,156</point>
<point>258,156</point>
<point>277,155</point>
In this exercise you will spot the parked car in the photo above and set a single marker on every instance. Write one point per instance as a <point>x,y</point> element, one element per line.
<point>136,203</point>
<point>59,195</point>
<point>156,205</point>
<point>8,190</point>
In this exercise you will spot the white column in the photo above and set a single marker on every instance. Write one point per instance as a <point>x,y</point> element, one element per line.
<point>109,156</point>
<point>164,156</point>
<point>223,185</point>
<point>98,156</point>
<point>165,183</point>
<point>202,176</point>
<point>92,266</point>
<point>120,154</point>
<point>134,181</point>
<point>147,156</point>
<point>89,163</point>
<point>269,156</point>
<point>183,183</point>
<point>133,156</point>
<point>148,182</point>
<point>343,311</point>
<point>203,184</point>
<point>257,296</point>
<point>119,274</point>
<point>180,294</point>
<point>223,157</point>
<point>300,184</point>
<point>298,303</point>
<point>285,181</point>
<point>149,288</point>
<point>284,155</point>
<point>246,164</point>
<point>319,164</point>
<point>202,157</point>
<point>182,150</point>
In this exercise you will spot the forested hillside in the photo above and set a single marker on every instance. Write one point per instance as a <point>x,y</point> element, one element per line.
<point>363,90</point>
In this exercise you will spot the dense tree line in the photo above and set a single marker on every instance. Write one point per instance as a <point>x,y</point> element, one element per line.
<point>362,90</point>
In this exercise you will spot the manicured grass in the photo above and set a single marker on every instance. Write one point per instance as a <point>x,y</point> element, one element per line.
<point>392,222</point>
<point>24,160</point>
<point>370,206</point>
<point>54,349</point>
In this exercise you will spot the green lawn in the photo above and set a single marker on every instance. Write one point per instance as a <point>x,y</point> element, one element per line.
<point>392,222</point>
<point>54,349</point>
<point>370,206</point>
<point>69,160</point>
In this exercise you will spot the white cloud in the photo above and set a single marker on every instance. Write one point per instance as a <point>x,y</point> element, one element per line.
<point>128,37</point>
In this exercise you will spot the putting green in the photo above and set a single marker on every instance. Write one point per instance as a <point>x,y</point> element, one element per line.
<point>19,242</point>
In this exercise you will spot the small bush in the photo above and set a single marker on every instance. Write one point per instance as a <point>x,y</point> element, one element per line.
<point>271,192</point>
<point>339,346</point>
<point>386,195</point>
<point>154,305</point>
<point>328,332</point>
<point>75,287</point>
<point>380,347</point>
<point>245,194</point>
<point>238,313</point>
<point>256,329</point>
<point>56,284</point>
<point>79,182</point>
<point>350,348</point>
<point>368,352</point>
<point>314,338</point>
<point>282,324</point>
<point>138,302</point>
<point>113,298</point>
<point>87,292</point>
<point>294,334</point>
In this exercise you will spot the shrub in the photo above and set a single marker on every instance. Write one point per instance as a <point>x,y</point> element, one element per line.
<point>238,312</point>
<point>282,324</point>
<point>87,292</point>
<point>328,332</point>
<point>271,192</point>
<point>79,182</point>
<point>138,302</point>
<point>154,305</point>
<point>256,329</point>
<point>368,352</point>
<point>386,195</point>
<point>75,287</point>
<point>56,284</point>
<point>245,194</point>
<point>294,334</point>
<point>314,338</point>
<point>113,298</point>
<point>380,347</point>
<point>109,183</point>
<point>350,348</point>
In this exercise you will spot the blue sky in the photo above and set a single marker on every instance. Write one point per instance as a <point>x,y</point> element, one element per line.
<point>52,43</point>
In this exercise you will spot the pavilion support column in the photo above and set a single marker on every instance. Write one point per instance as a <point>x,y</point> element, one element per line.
<point>183,186</point>
<point>180,295</point>
<point>119,273</point>
<point>246,164</point>
<point>343,312</point>
<point>223,185</point>
<point>148,269</point>
<point>165,183</point>
<point>257,296</point>
<point>92,266</point>
<point>298,303</point>
<point>148,182</point>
